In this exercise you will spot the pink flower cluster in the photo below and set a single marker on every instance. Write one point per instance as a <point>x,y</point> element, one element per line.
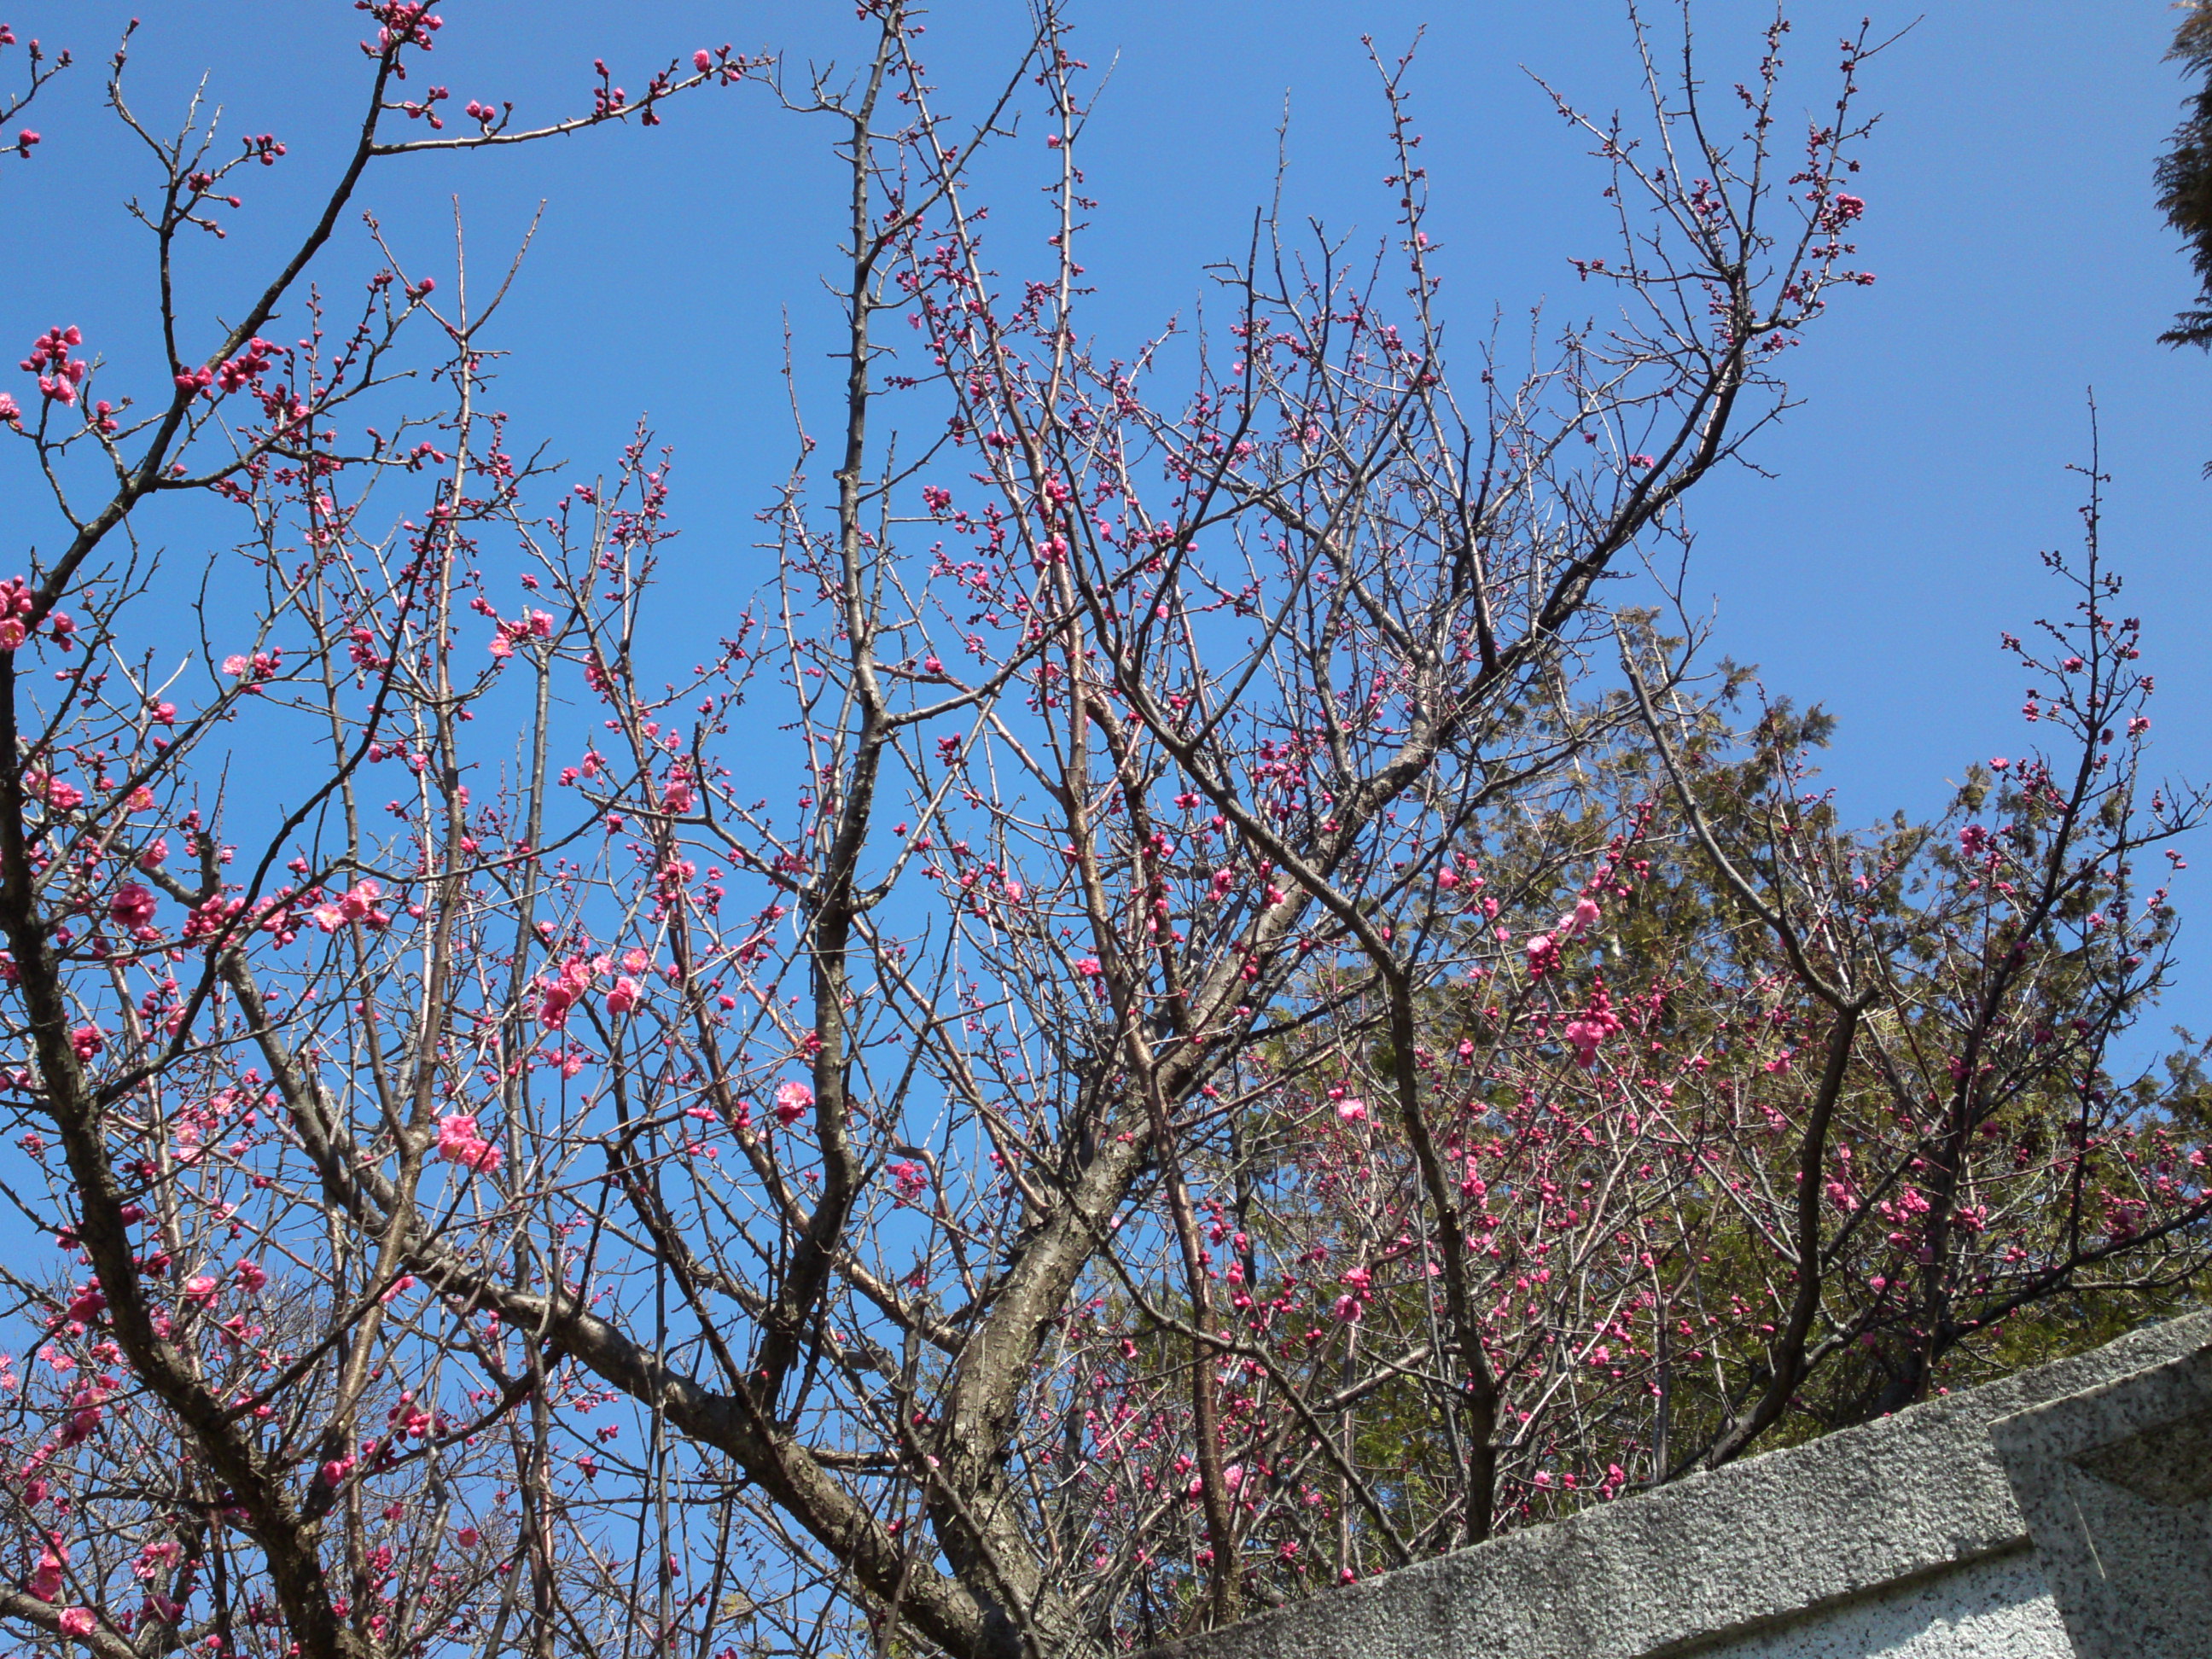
<point>565,989</point>
<point>357,904</point>
<point>261,666</point>
<point>47,1582</point>
<point>1595,1024</point>
<point>58,792</point>
<point>459,1141</point>
<point>16,606</point>
<point>233,376</point>
<point>531,625</point>
<point>1544,948</point>
<point>405,23</point>
<point>59,373</point>
<point>910,1180</point>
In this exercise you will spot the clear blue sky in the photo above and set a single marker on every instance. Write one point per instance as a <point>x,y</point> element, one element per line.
<point>2021,264</point>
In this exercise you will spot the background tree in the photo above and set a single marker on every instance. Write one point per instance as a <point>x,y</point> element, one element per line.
<point>2184,172</point>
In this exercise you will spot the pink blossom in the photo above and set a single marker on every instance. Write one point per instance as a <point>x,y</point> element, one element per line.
<point>793,1101</point>
<point>1353,1110</point>
<point>357,904</point>
<point>76,1622</point>
<point>47,1580</point>
<point>459,1141</point>
<point>252,1276</point>
<point>561,996</point>
<point>1584,1036</point>
<point>132,907</point>
<point>1573,923</point>
<point>201,1288</point>
<point>235,665</point>
<point>622,998</point>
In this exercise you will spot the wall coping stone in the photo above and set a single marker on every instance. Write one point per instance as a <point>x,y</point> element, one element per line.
<point>1755,1544</point>
<point>2115,1484</point>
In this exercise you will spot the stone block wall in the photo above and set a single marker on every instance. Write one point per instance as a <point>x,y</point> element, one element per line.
<point>2064,1513</point>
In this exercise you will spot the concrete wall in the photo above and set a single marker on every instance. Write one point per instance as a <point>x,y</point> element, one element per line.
<point>2065,1511</point>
